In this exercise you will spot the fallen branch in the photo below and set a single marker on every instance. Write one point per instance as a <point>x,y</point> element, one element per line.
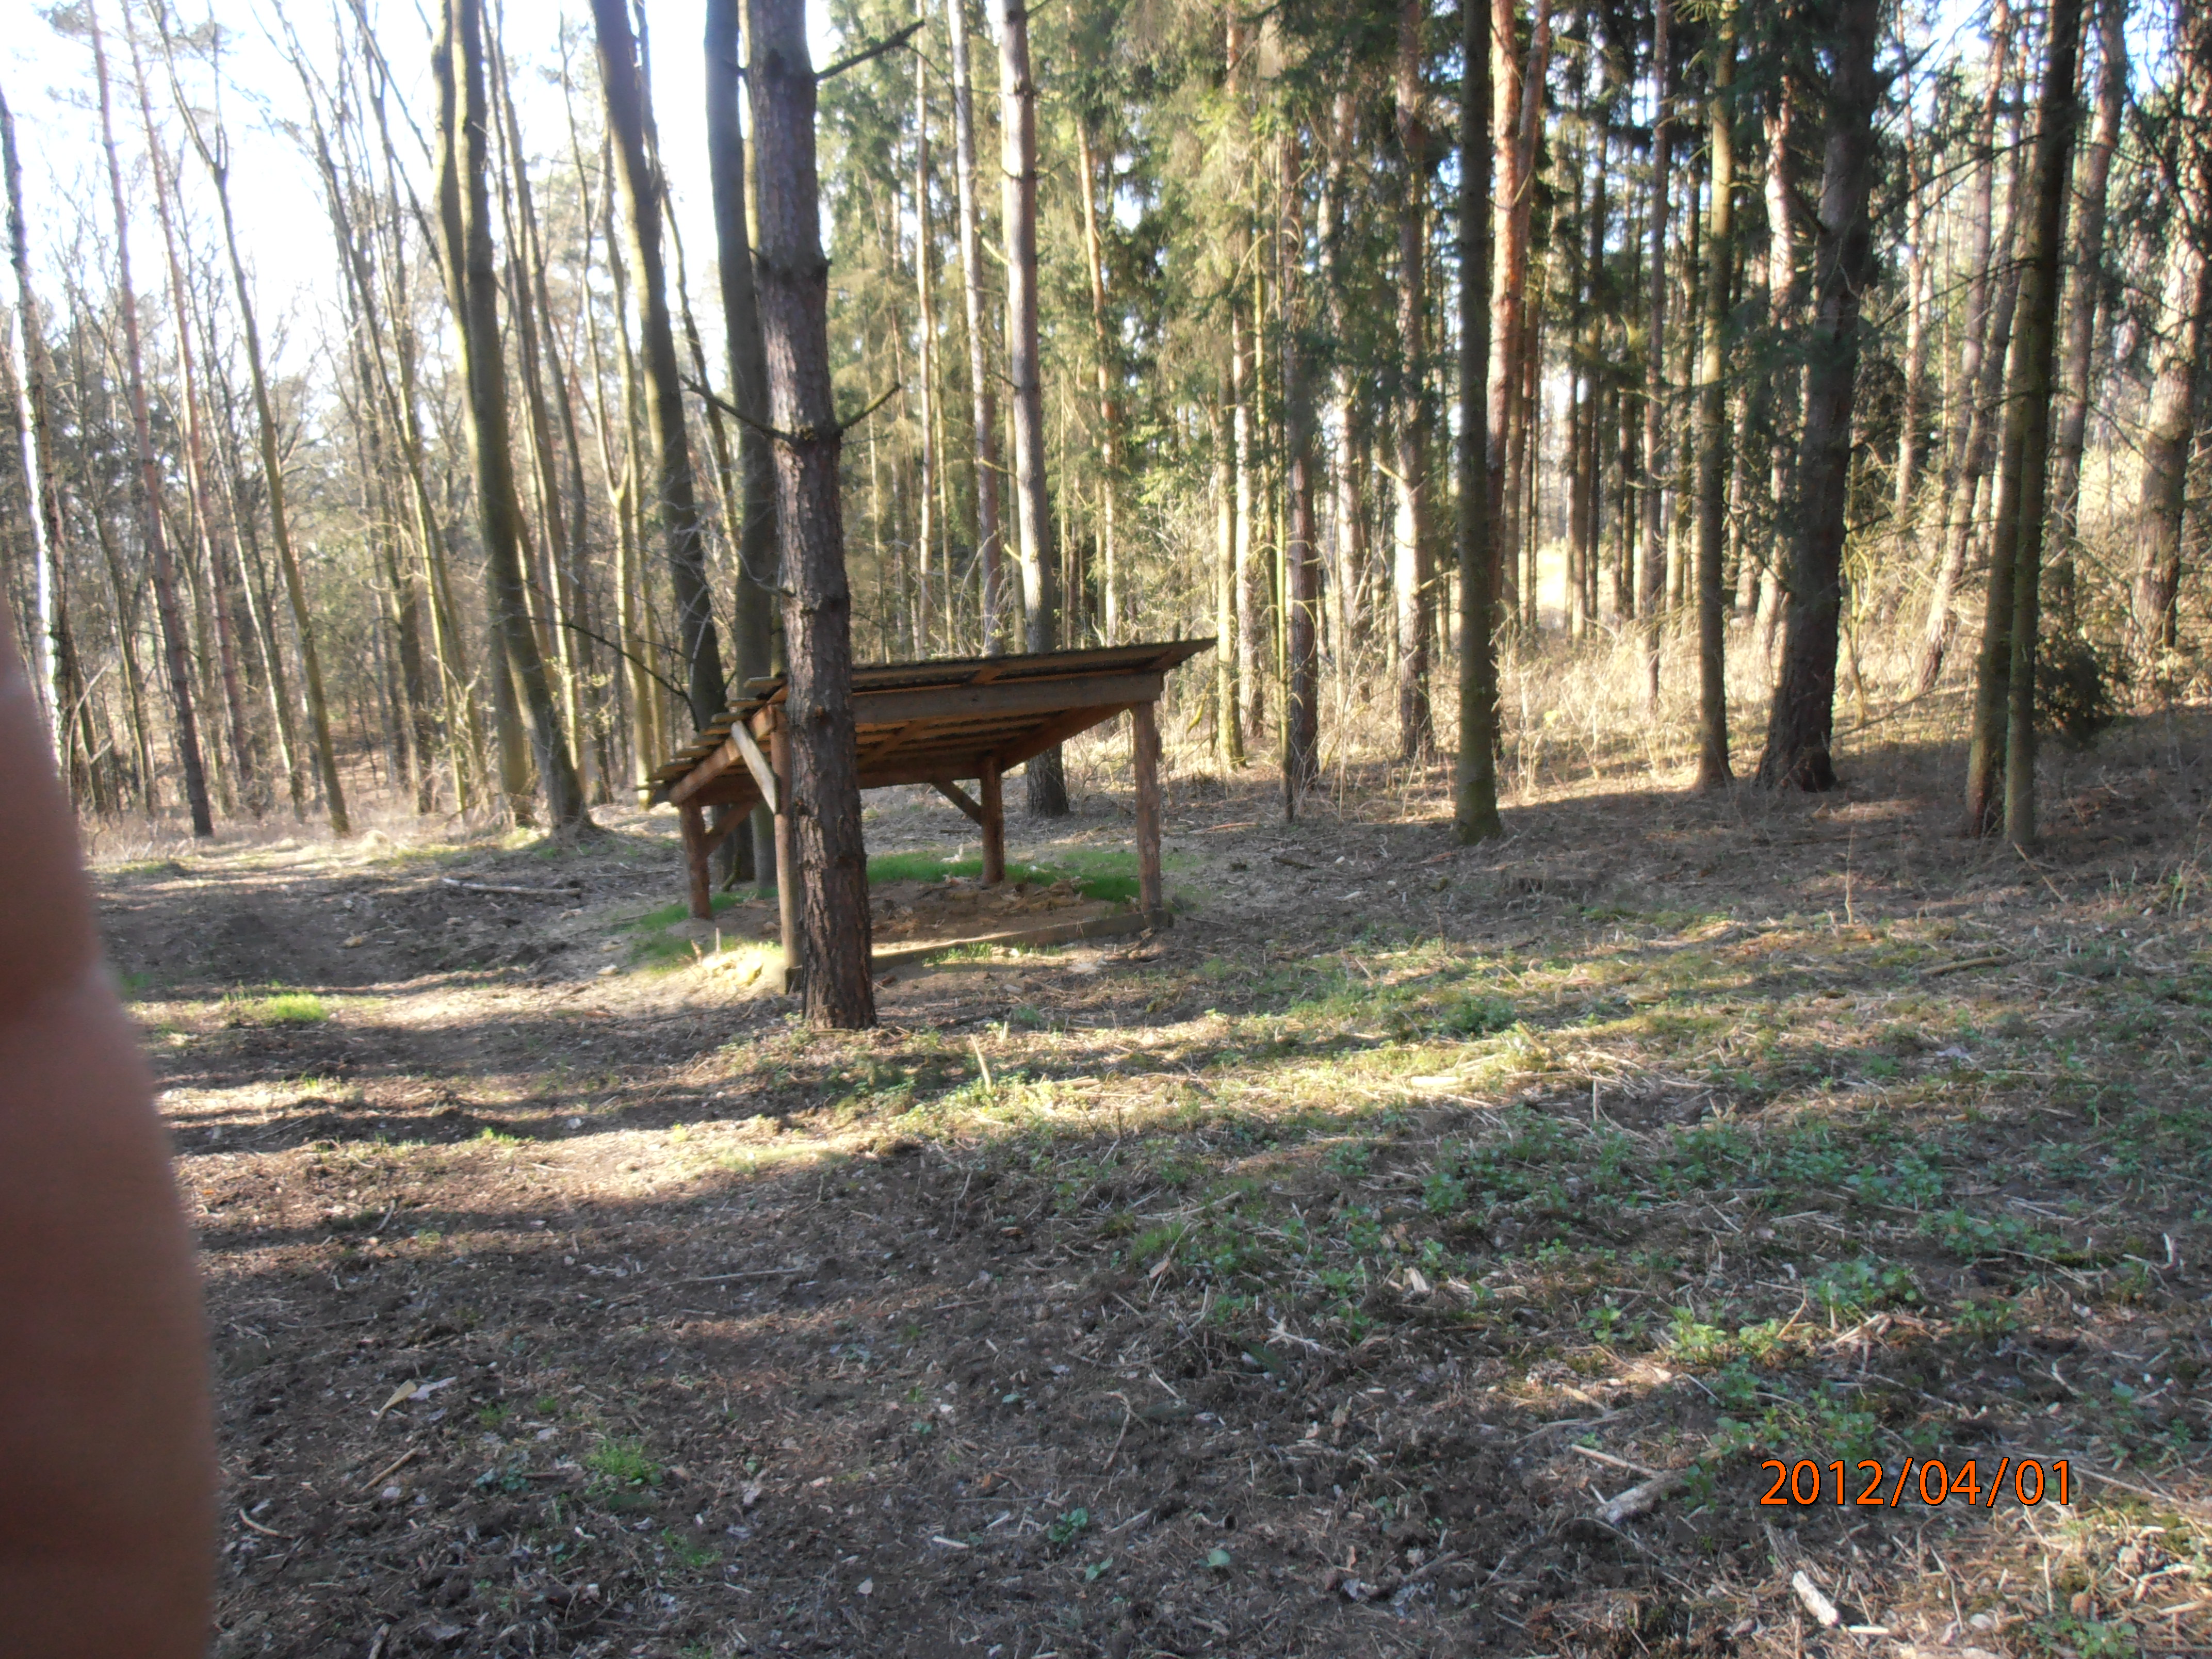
<point>1639,1498</point>
<point>267,1532</point>
<point>517,892</point>
<point>1616,1463</point>
<point>393,1468</point>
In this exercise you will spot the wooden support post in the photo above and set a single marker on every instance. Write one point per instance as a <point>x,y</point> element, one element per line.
<point>993,820</point>
<point>698,851</point>
<point>1144,753</point>
<point>787,851</point>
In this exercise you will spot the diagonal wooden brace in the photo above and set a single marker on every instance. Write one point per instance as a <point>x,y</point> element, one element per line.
<point>953,792</point>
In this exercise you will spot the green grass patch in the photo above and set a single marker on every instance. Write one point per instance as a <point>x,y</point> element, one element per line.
<point>1108,876</point>
<point>285,1008</point>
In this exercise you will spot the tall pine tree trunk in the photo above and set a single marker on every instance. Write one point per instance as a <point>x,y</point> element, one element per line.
<point>982,390</point>
<point>794,289</point>
<point>1410,552</point>
<point>753,628</point>
<point>1801,719</point>
<point>2170,425</point>
<point>1474,782</point>
<point>1966,421</point>
<point>1300,558</point>
<point>925,373</point>
<point>1047,782</point>
<point>1713,424</point>
<point>2001,761</point>
<point>1651,583</point>
<point>2077,356</point>
<point>1110,406</point>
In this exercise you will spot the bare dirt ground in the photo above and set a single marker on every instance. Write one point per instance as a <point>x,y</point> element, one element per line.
<point>1305,1279</point>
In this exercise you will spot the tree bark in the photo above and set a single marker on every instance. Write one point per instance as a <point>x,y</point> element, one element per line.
<point>793,288</point>
<point>175,647</point>
<point>1301,557</point>
<point>758,574</point>
<point>983,399</point>
<point>630,113</point>
<point>51,621</point>
<point>1713,424</point>
<point>1348,537</point>
<point>2076,359</point>
<point>1410,552</point>
<point>1974,392</point>
<point>925,371</point>
<point>1228,723</point>
<point>1474,781</point>
<point>2170,426</point>
<point>1651,583</point>
<point>1110,406</point>
<point>472,287</point>
<point>1910,444</point>
<point>2023,493</point>
<point>1801,720</point>
<point>1047,781</point>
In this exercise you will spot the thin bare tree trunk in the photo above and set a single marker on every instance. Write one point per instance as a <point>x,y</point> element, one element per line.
<point>990,540</point>
<point>1974,386</point>
<point>924,375</point>
<point>1109,407</point>
<point>473,286</point>
<point>1910,443</point>
<point>175,647</point>
<point>2170,425</point>
<point>1515,122</point>
<point>2001,760</point>
<point>1229,724</point>
<point>2077,356</point>
<point>213,147</point>
<point>752,639</point>
<point>1410,555</point>
<point>1347,536</point>
<point>1712,424</point>
<point>1301,559</point>
<point>825,805</point>
<point>1047,781</point>
<point>196,464</point>
<point>1475,791</point>
<point>629,114</point>
<point>51,622</point>
<point>1651,583</point>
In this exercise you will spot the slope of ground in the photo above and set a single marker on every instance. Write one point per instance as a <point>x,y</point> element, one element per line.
<point>1306,1278</point>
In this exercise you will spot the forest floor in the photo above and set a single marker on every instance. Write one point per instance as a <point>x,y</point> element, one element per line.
<point>1305,1278</point>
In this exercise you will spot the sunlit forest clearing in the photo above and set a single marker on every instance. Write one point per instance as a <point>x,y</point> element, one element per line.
<point>1593,1043</point>
<point>1277,1275</point>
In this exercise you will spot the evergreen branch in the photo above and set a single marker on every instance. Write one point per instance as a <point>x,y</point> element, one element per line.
<point>890,42</point>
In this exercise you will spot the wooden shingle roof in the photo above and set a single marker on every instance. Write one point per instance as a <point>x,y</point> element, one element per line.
<point>921,722</point>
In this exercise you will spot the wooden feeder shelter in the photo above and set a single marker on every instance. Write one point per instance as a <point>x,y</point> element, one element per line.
<point>939,722</point>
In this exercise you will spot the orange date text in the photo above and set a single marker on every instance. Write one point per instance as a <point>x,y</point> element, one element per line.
<point>1932,1481</point>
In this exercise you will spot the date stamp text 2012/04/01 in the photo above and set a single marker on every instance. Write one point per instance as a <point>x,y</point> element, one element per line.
<point>1928,1480</point>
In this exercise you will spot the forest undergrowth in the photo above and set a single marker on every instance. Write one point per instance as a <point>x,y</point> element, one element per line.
<point>1415,1249</point>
